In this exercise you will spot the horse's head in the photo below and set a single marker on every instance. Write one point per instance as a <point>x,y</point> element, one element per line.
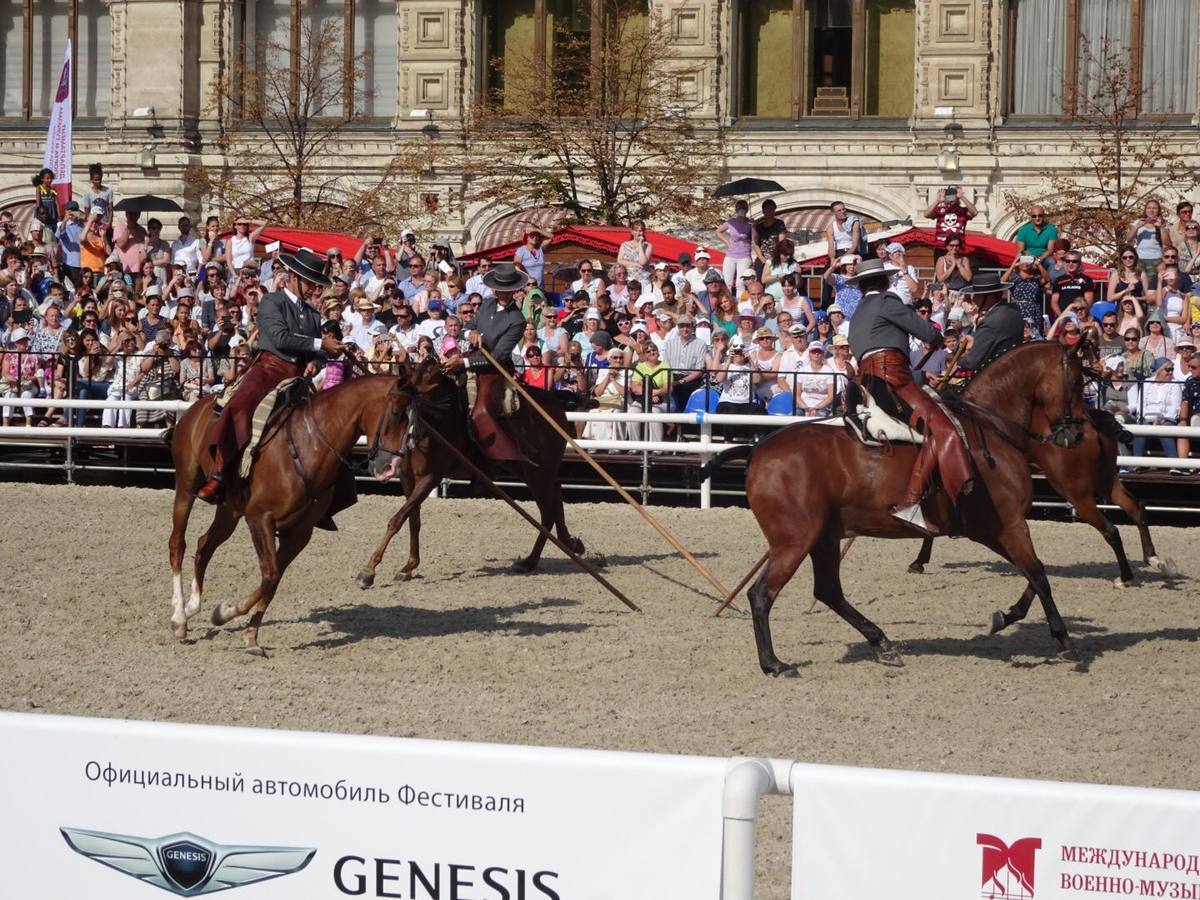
<point>388,442</point>
<point>1059,393</point>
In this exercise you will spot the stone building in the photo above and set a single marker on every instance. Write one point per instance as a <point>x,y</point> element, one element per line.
<point>877,102</point>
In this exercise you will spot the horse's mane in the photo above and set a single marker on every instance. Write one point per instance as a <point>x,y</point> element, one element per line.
<point>1010,372</point>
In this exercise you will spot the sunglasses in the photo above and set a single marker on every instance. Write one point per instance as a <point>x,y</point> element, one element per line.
<point>1128,256</point>
<point>1130,340</point>
<point>1072,262</point>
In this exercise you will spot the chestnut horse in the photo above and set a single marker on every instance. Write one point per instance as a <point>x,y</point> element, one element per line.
<point>437,402</point>
<point>811,485</point>
<point>1081,476</point>
<point>289,490</point>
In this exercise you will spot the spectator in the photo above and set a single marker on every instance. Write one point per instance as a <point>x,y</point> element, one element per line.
<point>904,282</point>
<point>765,359</point>
<point>684,353</point>
<point>414,284</point>
<point>69,234</point>
<point>723,308</point>
<point>953,269</point>
<point>434,324</point>
<point>609,392</point>
<point>1185,349</point>
<point>1111,343</point>
<point>1137,362</point>
<point>95,253</point>
<point>1170,260</point>
<point>1071,286</point>
<point>846,295</point>
<point>1148,235</point>
<point>1037,236</point>
<point>239,249</point>
<point>1053,264</point>
<point>530,258</point>
<point>129,240</point>
<point>636,253</point>
<point>1157,341</point>
<point>20,374</point>
<point>535,372</point>
<point>838,323</point>
<point>718,351</point>
<point>1189,409</point>
<point>98,196</point>
<point>737,234</point>
<point>737,380</point>
<point>94,370</point>
<point>1172,303</point>
<point>952,211</point>
<point>778,264</point>
<point>1156,402</point>
<point>1189,249</point>
<point>64,368</point>
<point>45,199</point>
<point>769,233</point>
<point>570,373</point>
<point>843,368</point>
<point>1028,288</point>
<point>845,234</point>
<point>651,386</point>
<point>697,277</point>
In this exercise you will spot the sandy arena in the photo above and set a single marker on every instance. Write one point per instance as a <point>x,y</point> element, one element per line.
<point>468,651</point>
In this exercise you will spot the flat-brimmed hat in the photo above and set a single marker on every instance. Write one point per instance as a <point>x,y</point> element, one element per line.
<point>985,283</point>
<point>153,291</point>
<point>307,265</point>
<point>184,292</point>
<point>840,340</point>
<point>685,319</point>
<point>835,308</point>
<point>872,268</point>
<point>1185,340</point>
<point>712,276</point>
<point>797,330</point>
<point>364,303</point>
<point>506,277</point>
<point>764,332</point>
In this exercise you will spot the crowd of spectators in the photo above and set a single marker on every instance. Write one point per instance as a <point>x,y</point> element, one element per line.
<point>98,304</point>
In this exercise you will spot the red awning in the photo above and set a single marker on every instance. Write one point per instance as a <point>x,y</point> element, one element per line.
<point>292,239</point>
<point>605,239</point>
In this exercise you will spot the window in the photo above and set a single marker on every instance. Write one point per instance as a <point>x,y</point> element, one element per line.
<point>1054,46</point>
<point>848,58</point>
<point>33,41</point>
<point>367,28</point>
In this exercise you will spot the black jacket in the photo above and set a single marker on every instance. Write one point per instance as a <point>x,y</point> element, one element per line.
<point>1001,330</point>
<point>884,322</point>
<point>500,329</point>
<point>288,329</point>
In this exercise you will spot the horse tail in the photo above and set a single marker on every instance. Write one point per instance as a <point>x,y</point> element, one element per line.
<point>1106,423</point>
<point>740,451</point>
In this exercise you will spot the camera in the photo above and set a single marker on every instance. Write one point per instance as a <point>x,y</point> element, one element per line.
<point>951,194</point>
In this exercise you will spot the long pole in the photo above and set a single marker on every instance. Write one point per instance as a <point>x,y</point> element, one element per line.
<point>499,492</point>
<point>658,526</point>
<point>742,584</point>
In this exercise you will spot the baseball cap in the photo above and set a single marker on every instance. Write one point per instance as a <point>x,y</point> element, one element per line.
<point>685,319</point>
<point>836,308</point>
<point>660,266</point>
<point>847,259</point>
<point>895,247</point>
<point>701,253</point>
<point>18,334</point>
<point>639,328</point>
<point>592,313</point>
<point>797,329</point>
<point>72,204</point>
<point>436,304</point>
<point>816,345</point>
<point>236,341</point>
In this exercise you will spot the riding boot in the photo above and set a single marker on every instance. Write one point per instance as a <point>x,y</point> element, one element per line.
<point>908,510</point>
<point>213,490</point>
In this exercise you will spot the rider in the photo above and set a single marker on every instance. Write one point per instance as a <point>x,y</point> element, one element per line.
<point>879,333</point>
<point>289,337</point>
<point>1001,327</point>
<point>498,326</point>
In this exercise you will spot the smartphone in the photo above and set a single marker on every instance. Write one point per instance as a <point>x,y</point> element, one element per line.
<point>21,316</point>
<point>445,267</point>
<point>271,247</point>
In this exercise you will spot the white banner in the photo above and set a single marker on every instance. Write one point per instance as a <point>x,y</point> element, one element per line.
<point>58,137</point>
<point>866,834</point>
<point>89,807</point>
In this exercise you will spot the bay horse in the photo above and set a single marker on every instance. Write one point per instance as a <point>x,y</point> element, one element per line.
<point>289,490</point>
<point>811,485</point>
<point>1082,476</point>
<point>436,402</point>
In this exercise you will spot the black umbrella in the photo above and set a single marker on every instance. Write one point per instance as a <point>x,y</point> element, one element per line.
<point>748,186</point>
<point>148,203</point>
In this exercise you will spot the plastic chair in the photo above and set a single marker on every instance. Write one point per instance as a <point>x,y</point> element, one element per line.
<point>702,400</point>
<point>781,405</point>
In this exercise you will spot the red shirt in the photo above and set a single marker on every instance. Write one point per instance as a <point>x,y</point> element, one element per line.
<point>537,377</point>
<point>952,219</point>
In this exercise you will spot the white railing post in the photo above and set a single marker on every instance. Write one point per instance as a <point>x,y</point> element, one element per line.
<point>705,450</point>
<point>746,782</point>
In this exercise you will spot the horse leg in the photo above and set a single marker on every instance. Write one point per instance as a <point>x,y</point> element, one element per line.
<point>917,566</point>
<point>1137,512</point>
<point>1001,619</point>
<point>291,542</point>
<point>1089,512</point>
<point>223,525</point>
<point>262,532</point>
<point>181,511</point>
<point>414,546</point>
<point>1016,546</point>
<point>424,485</point>
<point>560,523</point>
<point>781,566</point>
<point>827,587</point>
<point>545,504</point>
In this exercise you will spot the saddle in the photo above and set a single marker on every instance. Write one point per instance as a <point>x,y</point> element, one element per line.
<point>270,413</point>
<point>870,423</point>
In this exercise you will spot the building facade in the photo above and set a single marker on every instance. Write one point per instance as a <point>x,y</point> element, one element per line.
<point>876,102</point>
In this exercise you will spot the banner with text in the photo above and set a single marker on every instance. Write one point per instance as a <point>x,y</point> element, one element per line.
<point>863,834</point>
<point>91,806</point>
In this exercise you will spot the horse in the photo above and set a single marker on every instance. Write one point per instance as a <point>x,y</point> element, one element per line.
<point>843,487</point>
<point>290,489</point>
<point>1081,476</point>
<point>438,403</point>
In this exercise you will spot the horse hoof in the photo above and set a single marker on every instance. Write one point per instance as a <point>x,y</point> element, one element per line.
<point>1165,567</point>
<point>783,670</point>
<point>180,631</point>
<point>217,618</point>
<point>1070,655</point>
<point>364,579</point>
<point>523,566</point>
<point>599,560</point>
<point>916,569</point>
<point>998,623</point>
<point>1120,582</point>
<point>888,657</point>
<point>258,651</point>
<point>404,576</point>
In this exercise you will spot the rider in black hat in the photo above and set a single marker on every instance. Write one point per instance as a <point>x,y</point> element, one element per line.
<point>289,337</point>
<point>1001,327</point>
<point>498,327</point>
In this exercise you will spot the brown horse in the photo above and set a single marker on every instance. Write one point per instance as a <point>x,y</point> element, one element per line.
<point>289,490</point>
<point>810,485</point>
<point>438,403</point>
<point>1081,476</point>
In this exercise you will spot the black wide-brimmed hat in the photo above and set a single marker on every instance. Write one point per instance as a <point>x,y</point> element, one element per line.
<point>307,265</point>
<point>506,277</point>
<point>872,268</point>
<point>985,283</point>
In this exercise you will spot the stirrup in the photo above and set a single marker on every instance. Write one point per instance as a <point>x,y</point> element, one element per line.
<point>914,518</point>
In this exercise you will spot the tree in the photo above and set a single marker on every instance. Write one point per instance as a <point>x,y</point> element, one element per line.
<point>1125,162</point>
<point>603,131</point>
<point>281,113</point>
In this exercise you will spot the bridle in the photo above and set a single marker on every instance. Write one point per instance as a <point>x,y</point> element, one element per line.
<point>377,446</point>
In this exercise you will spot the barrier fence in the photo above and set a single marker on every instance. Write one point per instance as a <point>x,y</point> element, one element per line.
<point>97,804</point>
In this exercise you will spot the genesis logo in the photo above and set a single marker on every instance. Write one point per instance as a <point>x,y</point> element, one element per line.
<point>186,864</point>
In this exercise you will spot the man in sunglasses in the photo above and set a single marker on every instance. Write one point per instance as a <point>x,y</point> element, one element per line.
<point>1071,286</point>
<point>1037,236</point>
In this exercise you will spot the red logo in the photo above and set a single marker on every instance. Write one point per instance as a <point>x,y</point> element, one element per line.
<point>1007,871</point>
<point>64,83</point>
